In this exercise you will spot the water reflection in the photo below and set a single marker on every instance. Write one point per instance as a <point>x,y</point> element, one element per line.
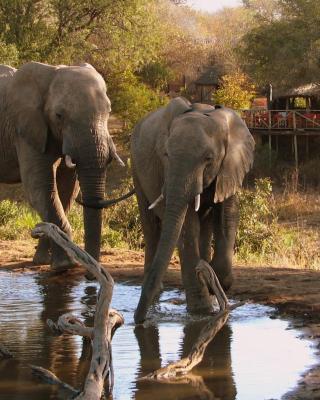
<point>246,360</point>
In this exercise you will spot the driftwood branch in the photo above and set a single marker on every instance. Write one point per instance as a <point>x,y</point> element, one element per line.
<point>49,377</point>
<point>207,277</point>
<point>102,331</point>
<point>4,352</point>
<point>70,324</point>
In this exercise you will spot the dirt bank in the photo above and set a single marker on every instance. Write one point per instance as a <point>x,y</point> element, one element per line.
<point>294,292</point>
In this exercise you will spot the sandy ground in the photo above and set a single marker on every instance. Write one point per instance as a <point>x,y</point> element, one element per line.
<point>295,293</point>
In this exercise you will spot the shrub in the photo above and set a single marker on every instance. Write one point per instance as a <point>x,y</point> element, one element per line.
<point>257,230</point>
<point>133,99</point>
<point>16,220</point>
<point>235,91</point>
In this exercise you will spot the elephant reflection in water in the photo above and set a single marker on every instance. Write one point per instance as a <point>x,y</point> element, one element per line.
<point>217,360</point>
<point>61,353</point>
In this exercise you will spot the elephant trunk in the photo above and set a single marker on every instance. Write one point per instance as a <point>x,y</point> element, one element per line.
<point>92,178</point>
<point>92,184</point>
<point>171,227</point>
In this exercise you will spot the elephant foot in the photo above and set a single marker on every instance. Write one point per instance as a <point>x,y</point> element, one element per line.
<point>199,303</point>
<point>223,270</point>
<point>41,257</point>
<point>225,280</point>
<point>61,263</point>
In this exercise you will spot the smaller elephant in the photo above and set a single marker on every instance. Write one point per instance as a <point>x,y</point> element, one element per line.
<point>188,162</point>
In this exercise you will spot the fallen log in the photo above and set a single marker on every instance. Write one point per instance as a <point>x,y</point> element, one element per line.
<point>101,333</point>
<point>207,277</point>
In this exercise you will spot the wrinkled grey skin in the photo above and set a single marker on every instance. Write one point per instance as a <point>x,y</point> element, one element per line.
<point>46,113</point>
<point>183,154</point>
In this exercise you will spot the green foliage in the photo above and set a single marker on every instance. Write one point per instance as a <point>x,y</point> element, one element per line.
<point>125,220</point>
<point>157,75</point>
<point>121,222</point>
<point>134,99</point>
<point>284,49</point>
<point>9,54</point>
<point>258,223</point>
<point>16,220</point>
<point>8,211</point>
<point>235,91</point>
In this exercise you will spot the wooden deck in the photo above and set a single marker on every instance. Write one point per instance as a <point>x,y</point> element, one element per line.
<point>277,123</point>
<point>283,122</point>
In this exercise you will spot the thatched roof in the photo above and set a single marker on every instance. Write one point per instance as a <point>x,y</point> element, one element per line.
<point>210,76</point>
<point>309,89</point>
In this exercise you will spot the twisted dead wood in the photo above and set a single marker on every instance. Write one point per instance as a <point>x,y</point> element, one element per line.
<point>101,347</point>
<point>4,352</point>
<point>207,277</point>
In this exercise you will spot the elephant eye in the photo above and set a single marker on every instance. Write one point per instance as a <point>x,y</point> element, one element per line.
<point>166,154</point>
<point>209,157</point>
<point>59,116</point>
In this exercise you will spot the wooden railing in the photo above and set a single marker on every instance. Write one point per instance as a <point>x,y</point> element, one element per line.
<point>294,120</point>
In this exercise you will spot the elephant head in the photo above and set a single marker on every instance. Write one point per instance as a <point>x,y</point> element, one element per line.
<point>210,150</point>
<point>64,111</point>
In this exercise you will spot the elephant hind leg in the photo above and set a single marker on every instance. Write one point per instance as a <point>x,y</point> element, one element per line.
<point>206,236</point>
<point>225,224</point>
<point>198,298</point>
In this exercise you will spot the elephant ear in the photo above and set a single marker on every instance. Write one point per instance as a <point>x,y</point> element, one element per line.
<point>26,98</point>
<point>238,157</point>
<point>176,107</point>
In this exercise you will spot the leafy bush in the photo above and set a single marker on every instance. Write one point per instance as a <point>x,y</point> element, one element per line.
<point>235,91</point>
<point>133,99</point>
<point>124,218</point>
<point>121,222</point>
<point>258,223</point>
<point>16,220</point>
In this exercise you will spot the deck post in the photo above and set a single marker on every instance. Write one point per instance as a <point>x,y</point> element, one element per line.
<point>269,120</point>
<point>307,147</point>
<point>270,150</point>
<point>295,142</point>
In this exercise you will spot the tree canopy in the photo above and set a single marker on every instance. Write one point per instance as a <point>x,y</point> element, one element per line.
<point>140,46</point>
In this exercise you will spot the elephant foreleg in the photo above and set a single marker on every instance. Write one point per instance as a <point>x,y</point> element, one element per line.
<point>225,224</point>
<point>68,189</point>
<point>198,298</point>
<point>38,176</point>
<point>150,227</point>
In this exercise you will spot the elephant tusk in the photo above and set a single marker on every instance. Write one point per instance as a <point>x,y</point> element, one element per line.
<point>156,202</point>
<point>119,161</point>
<point>69,163</point>
<point>197,202</point>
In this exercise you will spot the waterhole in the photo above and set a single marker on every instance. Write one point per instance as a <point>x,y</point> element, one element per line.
<point>253,357</point>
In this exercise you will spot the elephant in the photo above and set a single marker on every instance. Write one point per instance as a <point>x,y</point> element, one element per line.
<point>188,162</point>
<point>54,139</point>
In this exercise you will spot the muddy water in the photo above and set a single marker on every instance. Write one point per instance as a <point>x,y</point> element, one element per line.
<point>254,357</point>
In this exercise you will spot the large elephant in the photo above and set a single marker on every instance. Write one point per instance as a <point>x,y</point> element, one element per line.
<point>54,134</point>
<point>188,161</point>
